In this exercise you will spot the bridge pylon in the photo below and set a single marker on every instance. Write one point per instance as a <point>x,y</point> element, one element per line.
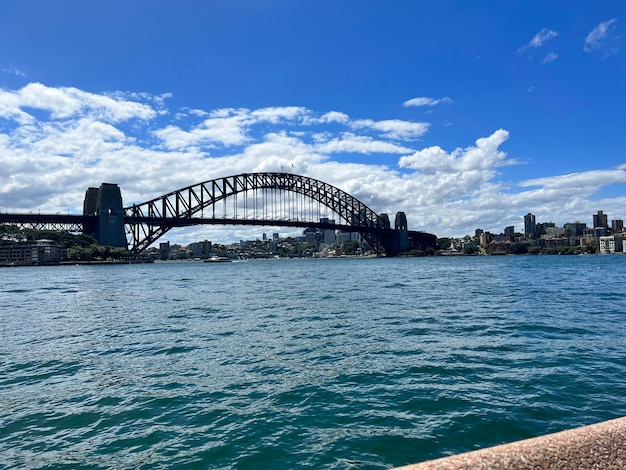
<point>105,203</point>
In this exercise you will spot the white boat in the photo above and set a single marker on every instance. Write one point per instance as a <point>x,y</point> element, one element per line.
<point>218,259</point>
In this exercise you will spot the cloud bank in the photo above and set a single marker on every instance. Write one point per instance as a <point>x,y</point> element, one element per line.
<point>57,141</point>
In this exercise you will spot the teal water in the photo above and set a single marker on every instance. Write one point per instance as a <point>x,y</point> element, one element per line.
<point>332,364</point>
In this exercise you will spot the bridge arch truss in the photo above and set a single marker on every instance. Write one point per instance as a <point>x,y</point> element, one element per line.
<point>272,199</point>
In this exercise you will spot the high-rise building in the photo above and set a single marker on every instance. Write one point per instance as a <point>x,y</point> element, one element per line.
<point>343,237</point>
<point>600,220</point>
<point>575,229</point>
<point>328,235</point>
<point>200,249</point>
<point>617,225</point>
<point>541,227</point>
<point>509,231</point>
<point>529,224</point>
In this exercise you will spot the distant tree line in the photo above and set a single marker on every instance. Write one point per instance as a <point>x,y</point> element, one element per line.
<point>517,249</point>
<point>524,249</point>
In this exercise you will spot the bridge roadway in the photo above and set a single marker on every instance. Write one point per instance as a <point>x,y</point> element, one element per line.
<point>64,222</point>
<point>79,221</point>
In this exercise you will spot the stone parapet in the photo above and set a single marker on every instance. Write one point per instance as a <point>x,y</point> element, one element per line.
<point>598,446</point>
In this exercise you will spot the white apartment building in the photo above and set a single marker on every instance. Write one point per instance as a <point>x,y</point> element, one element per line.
<point>607,244</point>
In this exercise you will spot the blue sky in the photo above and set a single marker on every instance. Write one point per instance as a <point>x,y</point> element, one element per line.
<point>462,114</point>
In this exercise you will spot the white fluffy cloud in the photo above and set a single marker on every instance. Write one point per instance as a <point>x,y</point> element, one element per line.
<point>63,103</point>
<point>56,142</point>
<point>484,156</point>
<point>227,126</point>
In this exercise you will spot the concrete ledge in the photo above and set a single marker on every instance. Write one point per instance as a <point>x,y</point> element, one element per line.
<point>599,446</point>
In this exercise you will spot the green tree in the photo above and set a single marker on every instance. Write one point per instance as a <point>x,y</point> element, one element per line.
<point>79,253</point>
<point>351,247</point>
<point>518,249</point>
<point>444,243</point>
<point>471,250</point>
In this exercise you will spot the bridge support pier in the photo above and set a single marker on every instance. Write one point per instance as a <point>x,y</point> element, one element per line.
<point>105,203</point>
<point>395,242</point>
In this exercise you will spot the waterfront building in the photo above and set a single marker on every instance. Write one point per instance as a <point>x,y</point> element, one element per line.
<point>594,234</point>
<point>553,242</point>
<point>509,231</point>
<point>529,224</point>
<point>483,239</point>
<point>200,249</point>
<point>607,244</point>
<point>600,220</point>
<point>499,238</point>
<point>177,252</point>
<point>619,242</point>
<point>39,252</point>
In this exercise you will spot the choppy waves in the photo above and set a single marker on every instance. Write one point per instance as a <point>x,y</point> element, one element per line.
<point>305,363</point>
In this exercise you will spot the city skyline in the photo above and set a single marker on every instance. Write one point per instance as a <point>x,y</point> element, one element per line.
<point>460,115</point>
<point>524,226</point>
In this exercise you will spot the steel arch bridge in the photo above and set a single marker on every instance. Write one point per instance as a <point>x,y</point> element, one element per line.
<point>277,199</point>
<point>262,199</point>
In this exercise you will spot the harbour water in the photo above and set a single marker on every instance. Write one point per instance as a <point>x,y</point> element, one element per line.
<point>331,364</point>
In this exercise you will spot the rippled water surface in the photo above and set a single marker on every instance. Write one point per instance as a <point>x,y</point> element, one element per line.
<point>335,364</point>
